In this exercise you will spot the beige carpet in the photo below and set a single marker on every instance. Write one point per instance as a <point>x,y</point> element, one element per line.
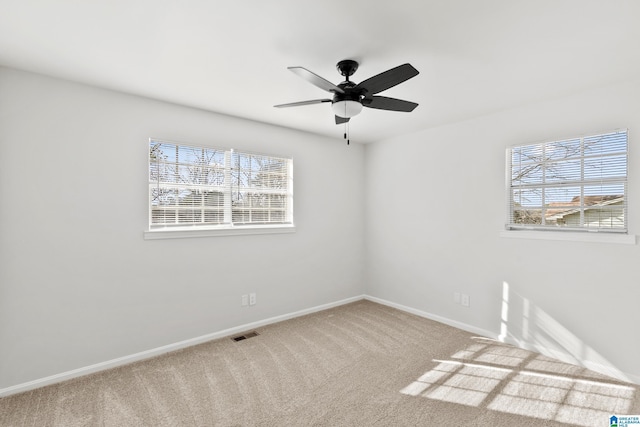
<point>362,364</point>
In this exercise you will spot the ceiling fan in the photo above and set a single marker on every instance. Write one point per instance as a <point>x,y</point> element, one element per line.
<point>349,97</point>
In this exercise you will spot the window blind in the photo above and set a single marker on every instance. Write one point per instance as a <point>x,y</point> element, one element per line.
<point>206,187</point>
<point>577,184</point>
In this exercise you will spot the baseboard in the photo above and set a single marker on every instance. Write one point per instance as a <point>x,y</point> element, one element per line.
<point>120,361</point>
<point>567,358</point>
<point>431,316</point>
<point>19,388</point>
<point>603,369</point>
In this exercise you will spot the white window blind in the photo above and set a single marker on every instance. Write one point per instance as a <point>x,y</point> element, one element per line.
<point>578,184</point>
<point>213,188</point>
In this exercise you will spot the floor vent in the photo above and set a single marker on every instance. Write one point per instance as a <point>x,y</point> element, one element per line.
<point>245,336</point>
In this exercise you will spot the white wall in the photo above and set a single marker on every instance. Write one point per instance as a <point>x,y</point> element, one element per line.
<point>78,283</point>
<point>435,206</point>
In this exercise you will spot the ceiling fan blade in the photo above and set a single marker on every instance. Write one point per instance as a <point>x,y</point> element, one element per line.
<point>341,120</point>
<point>387,79</point>
<point>392,104</point>
<point>300,103</point>
<point>315,79</point>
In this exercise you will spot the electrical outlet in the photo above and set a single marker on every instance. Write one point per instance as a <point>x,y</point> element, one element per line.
<point>465,300</point>
<point>456,297</point>
<point>245,300</point>
<point>252,299</point>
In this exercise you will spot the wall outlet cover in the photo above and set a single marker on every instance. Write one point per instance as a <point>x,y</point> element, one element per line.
<point>465,300</point>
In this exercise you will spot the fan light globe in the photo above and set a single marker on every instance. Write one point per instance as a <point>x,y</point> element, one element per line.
<point>346,109</point>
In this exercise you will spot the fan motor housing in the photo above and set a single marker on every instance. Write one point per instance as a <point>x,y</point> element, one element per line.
<point>348,95</point>
<point>349,103</point>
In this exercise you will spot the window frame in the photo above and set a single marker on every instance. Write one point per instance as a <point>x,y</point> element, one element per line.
<point>555,232</point>
<point>227,190</point>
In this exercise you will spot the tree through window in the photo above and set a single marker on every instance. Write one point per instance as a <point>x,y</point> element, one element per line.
<point>573,184</point>
<point>214,188</point>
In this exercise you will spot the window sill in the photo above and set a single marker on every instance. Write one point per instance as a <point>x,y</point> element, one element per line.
<point>627,239</point>
<point>186,233</point>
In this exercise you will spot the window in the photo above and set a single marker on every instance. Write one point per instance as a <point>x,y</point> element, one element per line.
<point>209,188</point>
<point>578,184</point>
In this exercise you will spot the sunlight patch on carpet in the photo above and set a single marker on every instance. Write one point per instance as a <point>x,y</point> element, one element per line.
<point>510,380</point>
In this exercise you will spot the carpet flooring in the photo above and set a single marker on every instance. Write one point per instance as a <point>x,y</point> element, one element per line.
<point>361,364</point>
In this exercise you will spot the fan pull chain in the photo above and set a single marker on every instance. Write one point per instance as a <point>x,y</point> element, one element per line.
<point>346,132</point>
<point>346,124</point>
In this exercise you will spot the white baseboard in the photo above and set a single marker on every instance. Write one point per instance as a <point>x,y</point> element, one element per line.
<point>568,358</point>
<point>603,369</point>
<point>19,388</point>
<point>41,382</point>
<point>440,319</point>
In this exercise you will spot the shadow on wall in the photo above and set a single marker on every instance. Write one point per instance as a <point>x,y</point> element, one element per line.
<point>490,375</point>
<point>528,326</point>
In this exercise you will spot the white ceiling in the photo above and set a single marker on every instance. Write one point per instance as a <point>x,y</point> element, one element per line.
<point>474,57</point>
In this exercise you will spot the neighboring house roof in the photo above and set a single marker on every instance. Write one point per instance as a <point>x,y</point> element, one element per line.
<point>590,202</point>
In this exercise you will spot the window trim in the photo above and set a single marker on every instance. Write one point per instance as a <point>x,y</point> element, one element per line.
<point>570,236</point>
<point>619,235</point>
<point>190,232</point>
<point>224,229</point>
